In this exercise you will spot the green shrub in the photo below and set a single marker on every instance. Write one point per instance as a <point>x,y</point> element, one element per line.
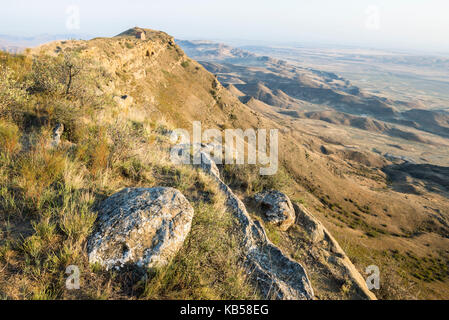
<point>185,64</point>
<point>58,75</point>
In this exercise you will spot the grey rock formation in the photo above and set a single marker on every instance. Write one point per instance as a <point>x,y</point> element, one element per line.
<point>207,163</point>
<point>277,276</point>
<point>277,208</point>
<point>327,249</point>
<point>56,136</point>
<point>141,227</point>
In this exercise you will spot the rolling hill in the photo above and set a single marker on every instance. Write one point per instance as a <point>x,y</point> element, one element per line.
<point>134,90</point>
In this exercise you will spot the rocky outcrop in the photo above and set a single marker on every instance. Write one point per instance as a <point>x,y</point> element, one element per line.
<point>277,208</point>
<point>56,141</point>
<point>56,136</point>
<point>326,248</point>
<point>141,227</point>
<point>277,276</point>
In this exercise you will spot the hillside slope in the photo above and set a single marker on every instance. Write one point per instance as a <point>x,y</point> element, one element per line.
<point>117,116</point>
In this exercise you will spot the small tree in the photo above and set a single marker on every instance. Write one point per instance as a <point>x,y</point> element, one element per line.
<point>56,75</point>
<point>71,69</point>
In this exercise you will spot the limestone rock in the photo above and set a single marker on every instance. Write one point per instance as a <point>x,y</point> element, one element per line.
<point>56,136</point>
<point>56,143</point>
<point>277,276</point>
<point>141,227</point>
<point>336,261</point>
<point>207,162</point>
<point>277,208</point>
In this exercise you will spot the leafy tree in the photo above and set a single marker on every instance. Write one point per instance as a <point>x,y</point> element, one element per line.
<point>57,75</point>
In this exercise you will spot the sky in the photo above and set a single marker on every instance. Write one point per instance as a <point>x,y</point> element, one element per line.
<point>402,24</point>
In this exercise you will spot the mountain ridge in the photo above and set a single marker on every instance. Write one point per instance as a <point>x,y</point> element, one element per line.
<point>148,87</point>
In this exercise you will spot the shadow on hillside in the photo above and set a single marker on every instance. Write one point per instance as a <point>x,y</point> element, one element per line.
<point>410,178</point>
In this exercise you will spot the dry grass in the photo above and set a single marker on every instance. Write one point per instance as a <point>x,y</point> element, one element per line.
<point>209,266</point>
<point>48,196</point>
<point>9,137</point>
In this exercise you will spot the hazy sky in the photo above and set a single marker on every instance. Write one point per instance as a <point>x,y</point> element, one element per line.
<point>416,24</point>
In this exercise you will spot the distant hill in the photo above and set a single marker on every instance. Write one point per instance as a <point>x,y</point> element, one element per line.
<point>213,51</point>
<point>16,44</point>
<point>129,94</point>
<point>281,84</point>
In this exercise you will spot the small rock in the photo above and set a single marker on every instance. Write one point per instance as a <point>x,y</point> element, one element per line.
<point>56,136</point>
<point>141,227</point>
<point>277,208</point>
<point>334,259</point>
<point>326,150</point>
<point>124,101</point>
<point>306,220</point>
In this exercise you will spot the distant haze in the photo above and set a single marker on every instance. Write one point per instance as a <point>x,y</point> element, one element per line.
<point>402,24</point>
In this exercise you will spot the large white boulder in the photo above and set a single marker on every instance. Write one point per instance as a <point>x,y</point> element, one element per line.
<point>140,227</point>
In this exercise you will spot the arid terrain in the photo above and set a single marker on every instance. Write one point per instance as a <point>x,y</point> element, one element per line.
<point>385,129</point>
<point>366,168</point>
